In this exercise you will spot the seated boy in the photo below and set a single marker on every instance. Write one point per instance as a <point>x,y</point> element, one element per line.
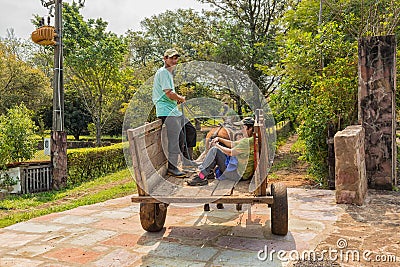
<point>234,159</point>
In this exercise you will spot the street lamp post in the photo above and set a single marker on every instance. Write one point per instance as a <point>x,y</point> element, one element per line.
<point>49,35</point>
<point>58,135</point>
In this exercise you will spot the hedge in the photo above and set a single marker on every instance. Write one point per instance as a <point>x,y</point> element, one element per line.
<point>90,163</point>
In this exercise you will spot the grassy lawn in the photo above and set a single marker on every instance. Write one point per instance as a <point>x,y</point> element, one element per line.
<point>18,208</point>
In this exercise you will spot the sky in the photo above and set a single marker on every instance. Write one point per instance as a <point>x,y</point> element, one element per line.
<point>121,15</point>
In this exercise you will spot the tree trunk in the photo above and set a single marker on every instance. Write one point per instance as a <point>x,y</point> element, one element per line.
<point>98,133</point>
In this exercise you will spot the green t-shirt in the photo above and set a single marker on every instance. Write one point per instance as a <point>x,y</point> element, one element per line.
<point>245,149</point>
<point>163,80</point>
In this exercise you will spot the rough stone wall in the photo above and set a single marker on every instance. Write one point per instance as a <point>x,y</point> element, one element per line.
<point>350,181</point>
<point>377,109</point>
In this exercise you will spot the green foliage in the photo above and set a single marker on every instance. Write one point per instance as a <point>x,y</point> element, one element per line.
<point>365,18</point>
<point>95,62</point>
<point>17,135</point>
<point>285,163</point>
<point>90,163</point>
<point>246,36</point>
<point>19,82</point>
<point>318,85</point>
<point>76,117</point>
<point>6,180</point>
<point>186,30</point>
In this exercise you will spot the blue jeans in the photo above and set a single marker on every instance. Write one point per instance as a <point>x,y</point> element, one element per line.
<point>216,158</point>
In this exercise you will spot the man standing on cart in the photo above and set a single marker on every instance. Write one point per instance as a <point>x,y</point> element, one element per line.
<point>166,101</point>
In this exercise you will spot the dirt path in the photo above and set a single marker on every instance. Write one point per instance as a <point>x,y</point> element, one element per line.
<point>288,168</point>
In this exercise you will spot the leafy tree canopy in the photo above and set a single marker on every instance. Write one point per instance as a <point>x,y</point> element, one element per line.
<point>17,140</point>
<point>19,82</point>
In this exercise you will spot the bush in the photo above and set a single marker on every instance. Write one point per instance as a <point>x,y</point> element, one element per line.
<point>17,135</point>
<point>90,163</point>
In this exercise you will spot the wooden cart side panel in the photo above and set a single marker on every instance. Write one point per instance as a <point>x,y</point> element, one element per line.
<point>148,158</point>
<point>151,154</point>
<point>263,163</point>
<point>136,164</point>
<point>258,184</point>
<point>141,130</point>
<point>156,180</point>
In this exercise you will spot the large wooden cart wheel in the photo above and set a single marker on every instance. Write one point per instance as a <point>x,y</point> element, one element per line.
<point>279,209</point>
<point>152,216</point>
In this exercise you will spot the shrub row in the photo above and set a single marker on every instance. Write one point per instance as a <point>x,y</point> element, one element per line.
<point>90,163</point>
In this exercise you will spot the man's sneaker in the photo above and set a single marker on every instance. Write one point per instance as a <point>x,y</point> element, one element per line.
<point>176,172</point>
<point>197,181</point>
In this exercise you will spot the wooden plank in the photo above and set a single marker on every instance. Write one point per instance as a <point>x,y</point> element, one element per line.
<point>164,188</point>
<point>224,188</point>
<point>153,137</point>
<point>204,200</point>
<point>147,155</point>
<point>154,146</point>
<point>264,160</point>
<point>149,142</point>
<point>177,187</point>
<point>136,163</point>
<point>258,184</point>
<point>152,164</point>
<point>158,185</point>
<point>207,190</point>
<point>141,130</point>
<point>151,155</point>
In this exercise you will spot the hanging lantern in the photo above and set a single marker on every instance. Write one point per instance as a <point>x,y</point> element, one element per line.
<point>44,35</point>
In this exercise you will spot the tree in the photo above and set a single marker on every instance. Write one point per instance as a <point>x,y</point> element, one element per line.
<point>247,36</point>
<point>94,59</point>
<point>76,116</point>
<point>17,140</point>
<point>19,82</point>
<point>318,68</point>
<point>197,36</point>
<point>188,31</point>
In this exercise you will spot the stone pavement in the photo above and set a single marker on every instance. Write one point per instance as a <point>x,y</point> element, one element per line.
<point>109,234</point>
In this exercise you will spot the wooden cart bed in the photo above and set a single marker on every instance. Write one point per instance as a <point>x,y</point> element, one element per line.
<point>156,189</point>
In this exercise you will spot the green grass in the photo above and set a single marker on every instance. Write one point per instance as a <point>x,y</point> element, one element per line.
<point>285,163</point>
<point>18,208</point>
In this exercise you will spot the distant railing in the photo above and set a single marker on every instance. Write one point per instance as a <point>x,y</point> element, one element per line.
<point>36,178</point>
<point>32,177</point>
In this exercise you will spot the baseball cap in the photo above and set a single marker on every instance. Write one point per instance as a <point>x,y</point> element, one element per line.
<point>171,52</point>
<point>246,121</point>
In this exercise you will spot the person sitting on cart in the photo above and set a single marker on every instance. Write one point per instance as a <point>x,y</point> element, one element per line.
<point>231,159</point>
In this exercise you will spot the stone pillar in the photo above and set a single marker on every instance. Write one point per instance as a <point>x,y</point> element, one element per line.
<point>377,108</point>
<point>351,181</point>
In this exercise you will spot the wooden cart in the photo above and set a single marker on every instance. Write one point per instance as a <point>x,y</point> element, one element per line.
<point>156,190</point>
